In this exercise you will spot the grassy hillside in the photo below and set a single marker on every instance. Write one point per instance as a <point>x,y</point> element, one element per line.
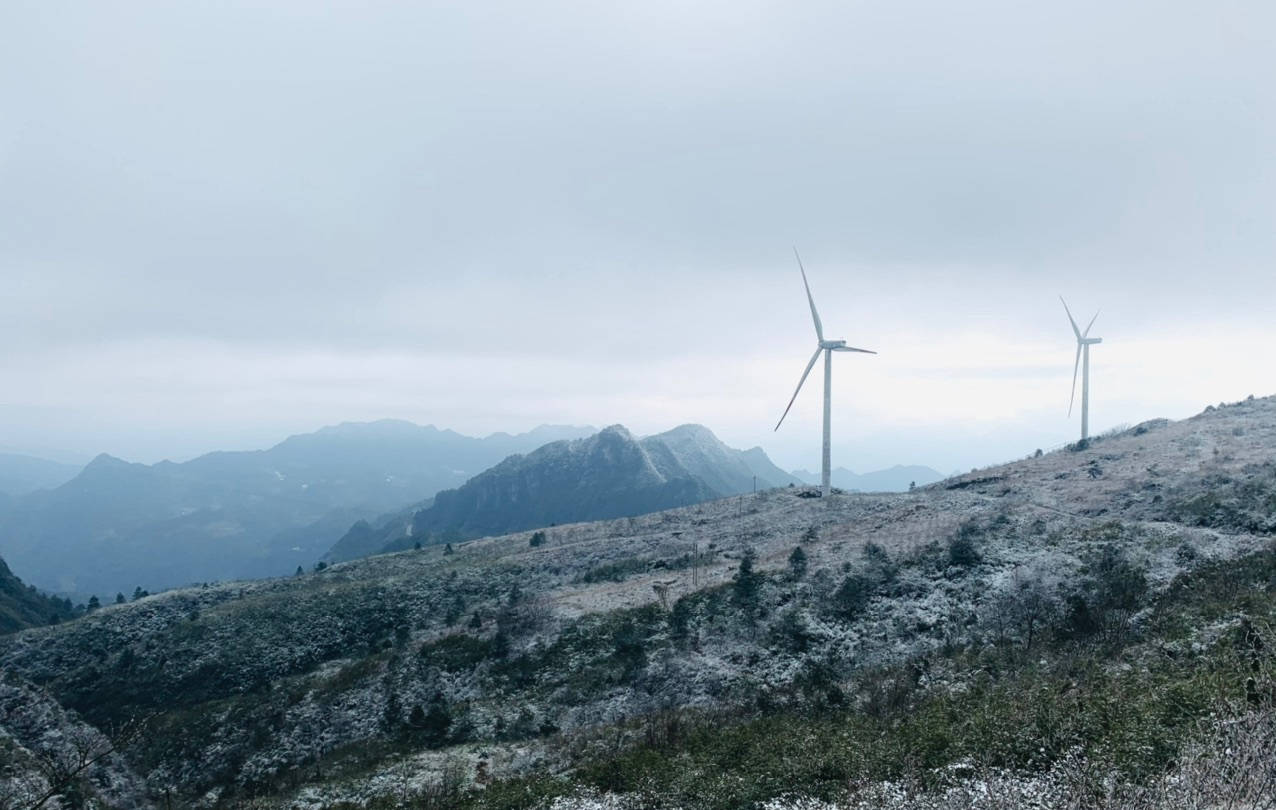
<point>23,606</point>
<point>1082,612</point>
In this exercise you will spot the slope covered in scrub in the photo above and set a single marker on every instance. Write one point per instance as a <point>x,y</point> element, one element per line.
<point>1001,623</point>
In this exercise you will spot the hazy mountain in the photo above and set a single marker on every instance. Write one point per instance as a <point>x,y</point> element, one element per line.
<point>224,515</point>
<point>21,474</point>
<point>610,474</point>
<point>1134,575</point>
<point>22,605</point>
<point>893,479</point>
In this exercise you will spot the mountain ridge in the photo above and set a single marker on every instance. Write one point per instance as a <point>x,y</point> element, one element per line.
<point>607,475</point>
<point>896,478</point>
<point>234,514</point>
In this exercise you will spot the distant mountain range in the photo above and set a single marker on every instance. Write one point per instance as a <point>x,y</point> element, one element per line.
<point>610,474</point>
<point>20,475</point>
<point>116,525</point>
<point>894,479</point>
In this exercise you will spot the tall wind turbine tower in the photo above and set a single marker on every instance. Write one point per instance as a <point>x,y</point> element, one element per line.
<point>1084,342</point>
<point>828,347</point>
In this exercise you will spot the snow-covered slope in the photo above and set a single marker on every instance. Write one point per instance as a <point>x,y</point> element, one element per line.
<point>505,657</point>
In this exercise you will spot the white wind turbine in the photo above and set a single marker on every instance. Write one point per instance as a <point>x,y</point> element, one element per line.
<point>828,347</point>
<point>1084,342</point>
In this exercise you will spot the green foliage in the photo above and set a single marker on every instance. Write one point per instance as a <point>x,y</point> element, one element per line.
<point>628,648</point>
<point>615,571</point>
<point>878,565</point>
<point>1017,712</point>
<point>457,653</point>
<point>680,620</point>
<point>23,606</point>
<point>431,725</point>
<point>747,585</point>
<point>791,633</point>
<point>1235,503</point>
<point>797,563</point>
<point>962,552</point>
<point>537,540</point>
<point>852,596</point>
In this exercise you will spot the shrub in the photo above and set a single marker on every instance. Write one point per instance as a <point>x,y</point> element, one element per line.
<point>852,596</point>
<point>961,547</point>
<point>627,642</point>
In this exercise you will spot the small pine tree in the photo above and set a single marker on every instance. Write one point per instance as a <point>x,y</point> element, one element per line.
<point>300,571</point>
<point>94,604</point>
<point>797,563</point>
<point>119,599</point>
<point>476,621</point>
<point>537,540</point>
<point>747,585</point>
<point>417,545</point>
<point>455,610</point>
<point>319,566</point>
<point>447,549</point>
<point>138,593</point>
<point>432,723</point>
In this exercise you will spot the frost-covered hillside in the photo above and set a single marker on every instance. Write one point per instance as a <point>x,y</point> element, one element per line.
<point>428,674</point>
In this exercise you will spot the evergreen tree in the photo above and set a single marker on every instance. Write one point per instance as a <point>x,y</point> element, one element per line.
<point>94,604</point>
<point>747,585</point>
<point>797,563</point>
<point>447,549</point>
<point>432,723</point>
<point>138,593</point>
<point>300,571</point>
<point>119,599</point>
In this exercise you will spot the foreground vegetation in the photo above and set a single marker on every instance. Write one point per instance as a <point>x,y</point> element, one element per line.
<point>1128,697</point>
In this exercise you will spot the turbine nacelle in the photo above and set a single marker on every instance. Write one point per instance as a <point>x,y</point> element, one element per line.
<point>821,345</point>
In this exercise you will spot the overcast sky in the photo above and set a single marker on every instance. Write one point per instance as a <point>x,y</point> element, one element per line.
<point>224,222</point>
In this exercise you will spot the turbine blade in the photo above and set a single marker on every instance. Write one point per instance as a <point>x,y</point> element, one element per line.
<point>1075,330</point>
<point>815,316</point>
<point>853,349</point>
<point>809,366</point>
<point>1075,366</point>
<point>1086,333</point>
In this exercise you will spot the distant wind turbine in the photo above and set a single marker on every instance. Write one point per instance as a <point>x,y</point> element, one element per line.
<point>828,347</point>
<point>1084,342</point>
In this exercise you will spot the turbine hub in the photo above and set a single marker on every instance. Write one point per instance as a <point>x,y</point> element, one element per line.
<point>832,344</point>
